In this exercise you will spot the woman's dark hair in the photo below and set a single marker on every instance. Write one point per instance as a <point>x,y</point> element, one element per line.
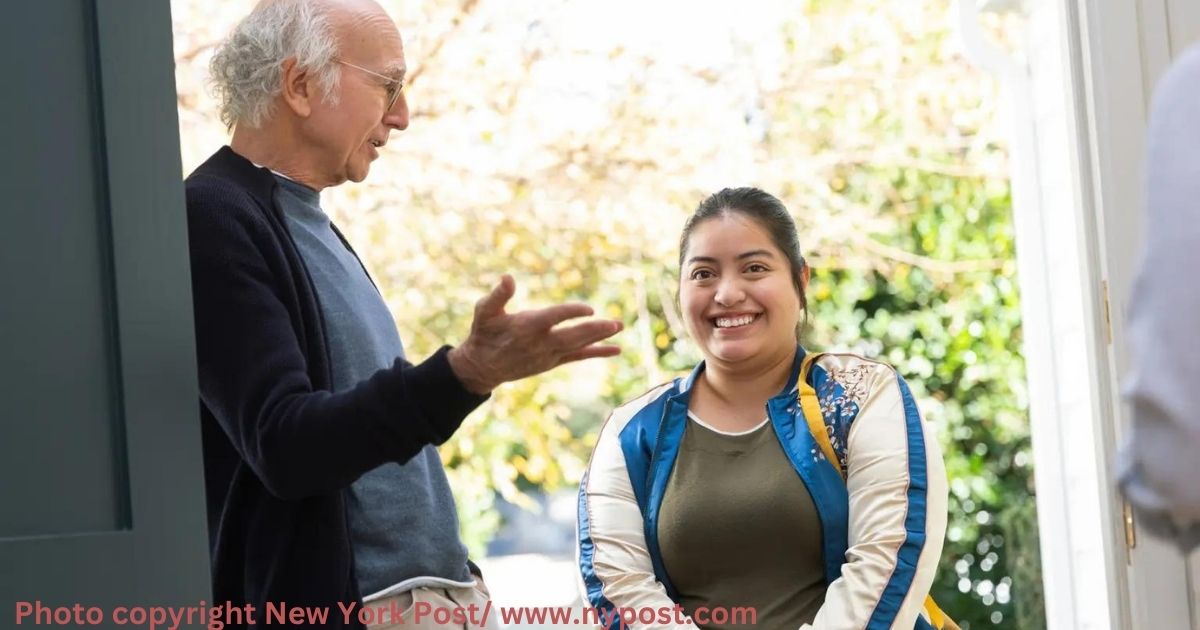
<point>770,214</point>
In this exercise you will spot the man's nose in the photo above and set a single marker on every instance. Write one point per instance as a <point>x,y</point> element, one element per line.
<point>397,117</point>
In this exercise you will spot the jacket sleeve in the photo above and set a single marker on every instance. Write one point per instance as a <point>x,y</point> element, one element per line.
<point>898,500</point>
<point>253,375</point>
<point>1159,466</point>
<point>613,559</point>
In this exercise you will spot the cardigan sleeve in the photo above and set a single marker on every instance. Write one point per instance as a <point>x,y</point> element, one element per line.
<point>898,503</point>
<point>253,375</point>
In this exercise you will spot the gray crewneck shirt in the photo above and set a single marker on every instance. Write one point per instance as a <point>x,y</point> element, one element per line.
<point>402,517</point>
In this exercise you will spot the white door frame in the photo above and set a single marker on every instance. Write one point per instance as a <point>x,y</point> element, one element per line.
<point>1079,114</point>
<point>1079,123</point>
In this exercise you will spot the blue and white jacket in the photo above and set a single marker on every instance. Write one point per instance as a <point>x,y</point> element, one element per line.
<point>883,524</point>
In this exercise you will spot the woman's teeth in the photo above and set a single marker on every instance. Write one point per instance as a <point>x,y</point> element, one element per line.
<point>732,322</point>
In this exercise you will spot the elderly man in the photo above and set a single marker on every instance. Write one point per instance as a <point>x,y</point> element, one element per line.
<point>323,485</point>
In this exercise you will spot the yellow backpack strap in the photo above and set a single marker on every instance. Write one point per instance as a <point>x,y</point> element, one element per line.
<point>938,618</point>
<point>811,407</point>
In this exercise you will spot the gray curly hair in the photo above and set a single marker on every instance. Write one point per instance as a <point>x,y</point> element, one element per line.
<point>246,69</point>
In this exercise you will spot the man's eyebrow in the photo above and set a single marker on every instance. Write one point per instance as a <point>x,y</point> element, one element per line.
<point>395,70</point>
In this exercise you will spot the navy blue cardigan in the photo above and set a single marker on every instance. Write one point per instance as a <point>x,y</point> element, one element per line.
<point>279,448</point>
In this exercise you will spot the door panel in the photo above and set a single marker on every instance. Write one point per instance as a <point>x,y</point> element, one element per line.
<point>57,331</point>
<point>101,481</point>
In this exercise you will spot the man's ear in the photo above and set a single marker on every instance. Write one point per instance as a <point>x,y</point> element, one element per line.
<point>298,88</point>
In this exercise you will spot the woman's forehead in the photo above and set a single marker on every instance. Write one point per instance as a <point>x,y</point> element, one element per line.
<point>729,235</point>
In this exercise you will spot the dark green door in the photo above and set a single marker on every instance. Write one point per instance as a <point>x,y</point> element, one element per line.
<point>101,483</point>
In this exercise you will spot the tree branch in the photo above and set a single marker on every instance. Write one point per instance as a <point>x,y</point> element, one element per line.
<point>869,158</point>
<point>463,12</point>
<point>932,265</point>
<point>188,56</point>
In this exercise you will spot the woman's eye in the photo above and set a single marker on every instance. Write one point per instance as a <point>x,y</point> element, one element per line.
<point>756,268</point>
<point>701,274</point>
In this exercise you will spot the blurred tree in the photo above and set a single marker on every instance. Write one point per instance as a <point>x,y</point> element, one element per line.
<point>566,141</point>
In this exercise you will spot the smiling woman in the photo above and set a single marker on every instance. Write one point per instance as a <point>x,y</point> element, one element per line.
<point>826,510</point>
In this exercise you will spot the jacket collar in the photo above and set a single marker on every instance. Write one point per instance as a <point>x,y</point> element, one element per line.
<point>683,387</point>
<point>256,180</point>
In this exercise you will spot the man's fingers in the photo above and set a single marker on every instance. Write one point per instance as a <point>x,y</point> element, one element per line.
<point>584,334</point>
<point>553,315</point>
<point>493,303</point>
<point>591,352</point>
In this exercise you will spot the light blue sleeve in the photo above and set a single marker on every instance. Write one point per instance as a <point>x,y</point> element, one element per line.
<point>1160,465</point>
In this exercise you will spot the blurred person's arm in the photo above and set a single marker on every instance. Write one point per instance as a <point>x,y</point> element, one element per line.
<point>1160,466</point>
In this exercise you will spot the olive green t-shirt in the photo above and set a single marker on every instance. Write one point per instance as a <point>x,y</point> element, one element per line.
<point>738,528</point>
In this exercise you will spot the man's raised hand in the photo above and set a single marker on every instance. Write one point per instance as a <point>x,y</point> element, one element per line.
<point>506,346</point>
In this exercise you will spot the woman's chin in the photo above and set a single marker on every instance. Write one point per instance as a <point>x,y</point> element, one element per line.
<point>733,350</point>
<point>749,350</point>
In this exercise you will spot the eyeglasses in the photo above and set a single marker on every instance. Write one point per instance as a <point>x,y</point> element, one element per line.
<point>394,86</point>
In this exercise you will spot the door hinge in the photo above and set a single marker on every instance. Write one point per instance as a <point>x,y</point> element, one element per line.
<point>1108,326</point>
<point>1130,530</point>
